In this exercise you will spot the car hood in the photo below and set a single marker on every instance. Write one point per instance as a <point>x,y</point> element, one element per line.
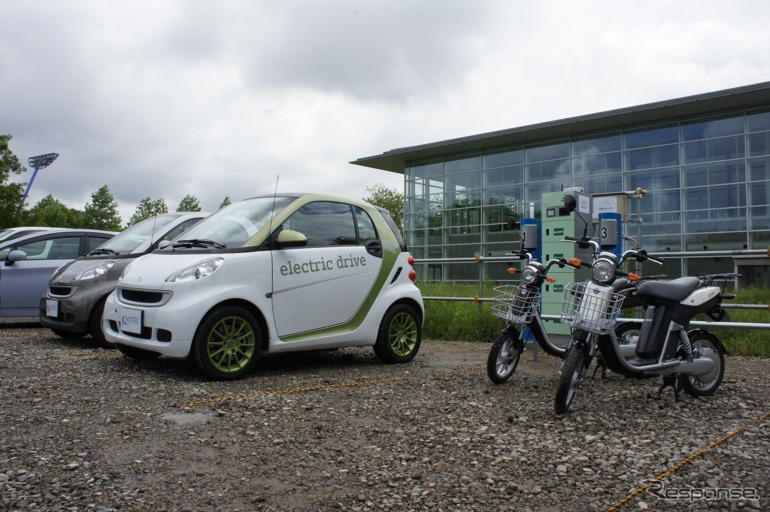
<point>67,274</point>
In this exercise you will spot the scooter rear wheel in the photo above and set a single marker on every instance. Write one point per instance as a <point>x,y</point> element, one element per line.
<point>571,376</point>
<point>504,355</point>
<point>707,345</point>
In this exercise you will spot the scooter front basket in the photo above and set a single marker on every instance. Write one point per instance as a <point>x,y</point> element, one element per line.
<point>590,307</point>
<point>516,304</point>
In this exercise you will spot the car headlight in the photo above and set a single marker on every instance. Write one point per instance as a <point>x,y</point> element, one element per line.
<point>528,275</point>
<point>195,272</point>
<point>96,271</point>
<point>603,271</point>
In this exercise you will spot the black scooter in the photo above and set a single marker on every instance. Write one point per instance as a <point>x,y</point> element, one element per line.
<point>519,306</point>
<point>693,361</point>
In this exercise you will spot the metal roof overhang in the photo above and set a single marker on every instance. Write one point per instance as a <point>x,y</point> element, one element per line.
<point>729,99</point>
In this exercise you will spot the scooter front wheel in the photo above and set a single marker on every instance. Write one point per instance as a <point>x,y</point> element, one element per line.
<point>571,374</point>
<point>504,355</point>
<point>708,346</point>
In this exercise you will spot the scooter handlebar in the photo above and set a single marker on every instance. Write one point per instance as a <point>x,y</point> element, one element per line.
<point>653,259</point>
<point>561,262</point>
<point>641,255</point>
<point>582,242</point>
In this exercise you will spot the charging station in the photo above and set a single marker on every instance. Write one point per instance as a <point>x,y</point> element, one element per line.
<point>531,235</point>
<point>610,231</point>
<point>558,222</point>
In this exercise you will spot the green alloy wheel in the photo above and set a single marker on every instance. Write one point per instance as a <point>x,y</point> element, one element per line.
<point>399,336</point>
<point>227,343</point>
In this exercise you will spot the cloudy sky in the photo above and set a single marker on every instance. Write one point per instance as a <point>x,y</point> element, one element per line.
<point>164,98</point>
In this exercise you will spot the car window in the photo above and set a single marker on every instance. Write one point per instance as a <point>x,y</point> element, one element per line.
<point>52,249</point>
<point>366,231</point>
<point>181,228</point>
<point>324,224</point>
<point>137,234</point>
<point>235,225</point>
<point>92,242</point>
<point>393,227</point>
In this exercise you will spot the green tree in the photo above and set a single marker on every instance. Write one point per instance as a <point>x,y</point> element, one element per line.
<point>102,211</point>
<point>147,208</point>
<point>189,204</point>
<point>225,202</point>
<point>388,198</point>
<point>11,194</point>
<point>49,211</point>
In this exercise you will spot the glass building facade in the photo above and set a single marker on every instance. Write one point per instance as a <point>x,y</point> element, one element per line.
<point>707,177</point>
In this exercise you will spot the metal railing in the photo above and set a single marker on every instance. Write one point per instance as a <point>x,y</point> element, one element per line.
<point>480,299</point>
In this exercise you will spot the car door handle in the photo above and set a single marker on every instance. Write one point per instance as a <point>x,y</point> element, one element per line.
<point>374,247</point>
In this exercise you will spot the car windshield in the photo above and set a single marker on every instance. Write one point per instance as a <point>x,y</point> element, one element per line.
<point>135,236</point>
<point>234,225</point>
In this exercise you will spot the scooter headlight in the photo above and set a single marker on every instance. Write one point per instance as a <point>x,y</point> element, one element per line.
<point>528,275</point>
<point>603,271</point>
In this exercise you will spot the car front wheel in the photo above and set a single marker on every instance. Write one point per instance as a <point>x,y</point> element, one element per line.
<point>227,344</point>
<point>95,325</point>
<point>400,335</point>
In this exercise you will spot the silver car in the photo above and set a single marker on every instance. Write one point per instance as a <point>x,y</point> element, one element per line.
<point>11,233</point>
<point>74,299</point>
<point>28,262</point>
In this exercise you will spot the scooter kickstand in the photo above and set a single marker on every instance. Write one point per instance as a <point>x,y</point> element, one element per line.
<point>675,385</point>
<point>596,369</point>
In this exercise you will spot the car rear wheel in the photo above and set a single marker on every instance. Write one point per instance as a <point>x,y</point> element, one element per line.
<point>227,344</point>
<point>400,335</point>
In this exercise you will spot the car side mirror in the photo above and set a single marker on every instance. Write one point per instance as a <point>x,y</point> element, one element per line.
<point>14,256</point>
<point>288,238</point>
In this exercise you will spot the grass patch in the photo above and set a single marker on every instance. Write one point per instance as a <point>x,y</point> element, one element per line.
<point>461,321</point>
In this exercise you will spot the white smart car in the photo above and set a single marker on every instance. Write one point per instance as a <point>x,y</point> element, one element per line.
<point>271,274</point>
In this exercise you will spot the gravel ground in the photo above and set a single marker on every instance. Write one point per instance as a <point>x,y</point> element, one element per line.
<point>83,428</point>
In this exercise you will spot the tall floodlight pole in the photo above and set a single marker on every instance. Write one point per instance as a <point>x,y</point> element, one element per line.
<point>38,162</point>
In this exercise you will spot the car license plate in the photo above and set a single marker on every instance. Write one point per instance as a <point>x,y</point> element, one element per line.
<point>51,308</point>
<point>131,321</point>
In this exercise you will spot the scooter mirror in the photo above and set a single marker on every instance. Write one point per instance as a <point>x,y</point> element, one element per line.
<point>570,203</point>
<point>513,223</point>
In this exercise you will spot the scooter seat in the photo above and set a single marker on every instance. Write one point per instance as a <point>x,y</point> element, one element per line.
<point>675,290</point>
